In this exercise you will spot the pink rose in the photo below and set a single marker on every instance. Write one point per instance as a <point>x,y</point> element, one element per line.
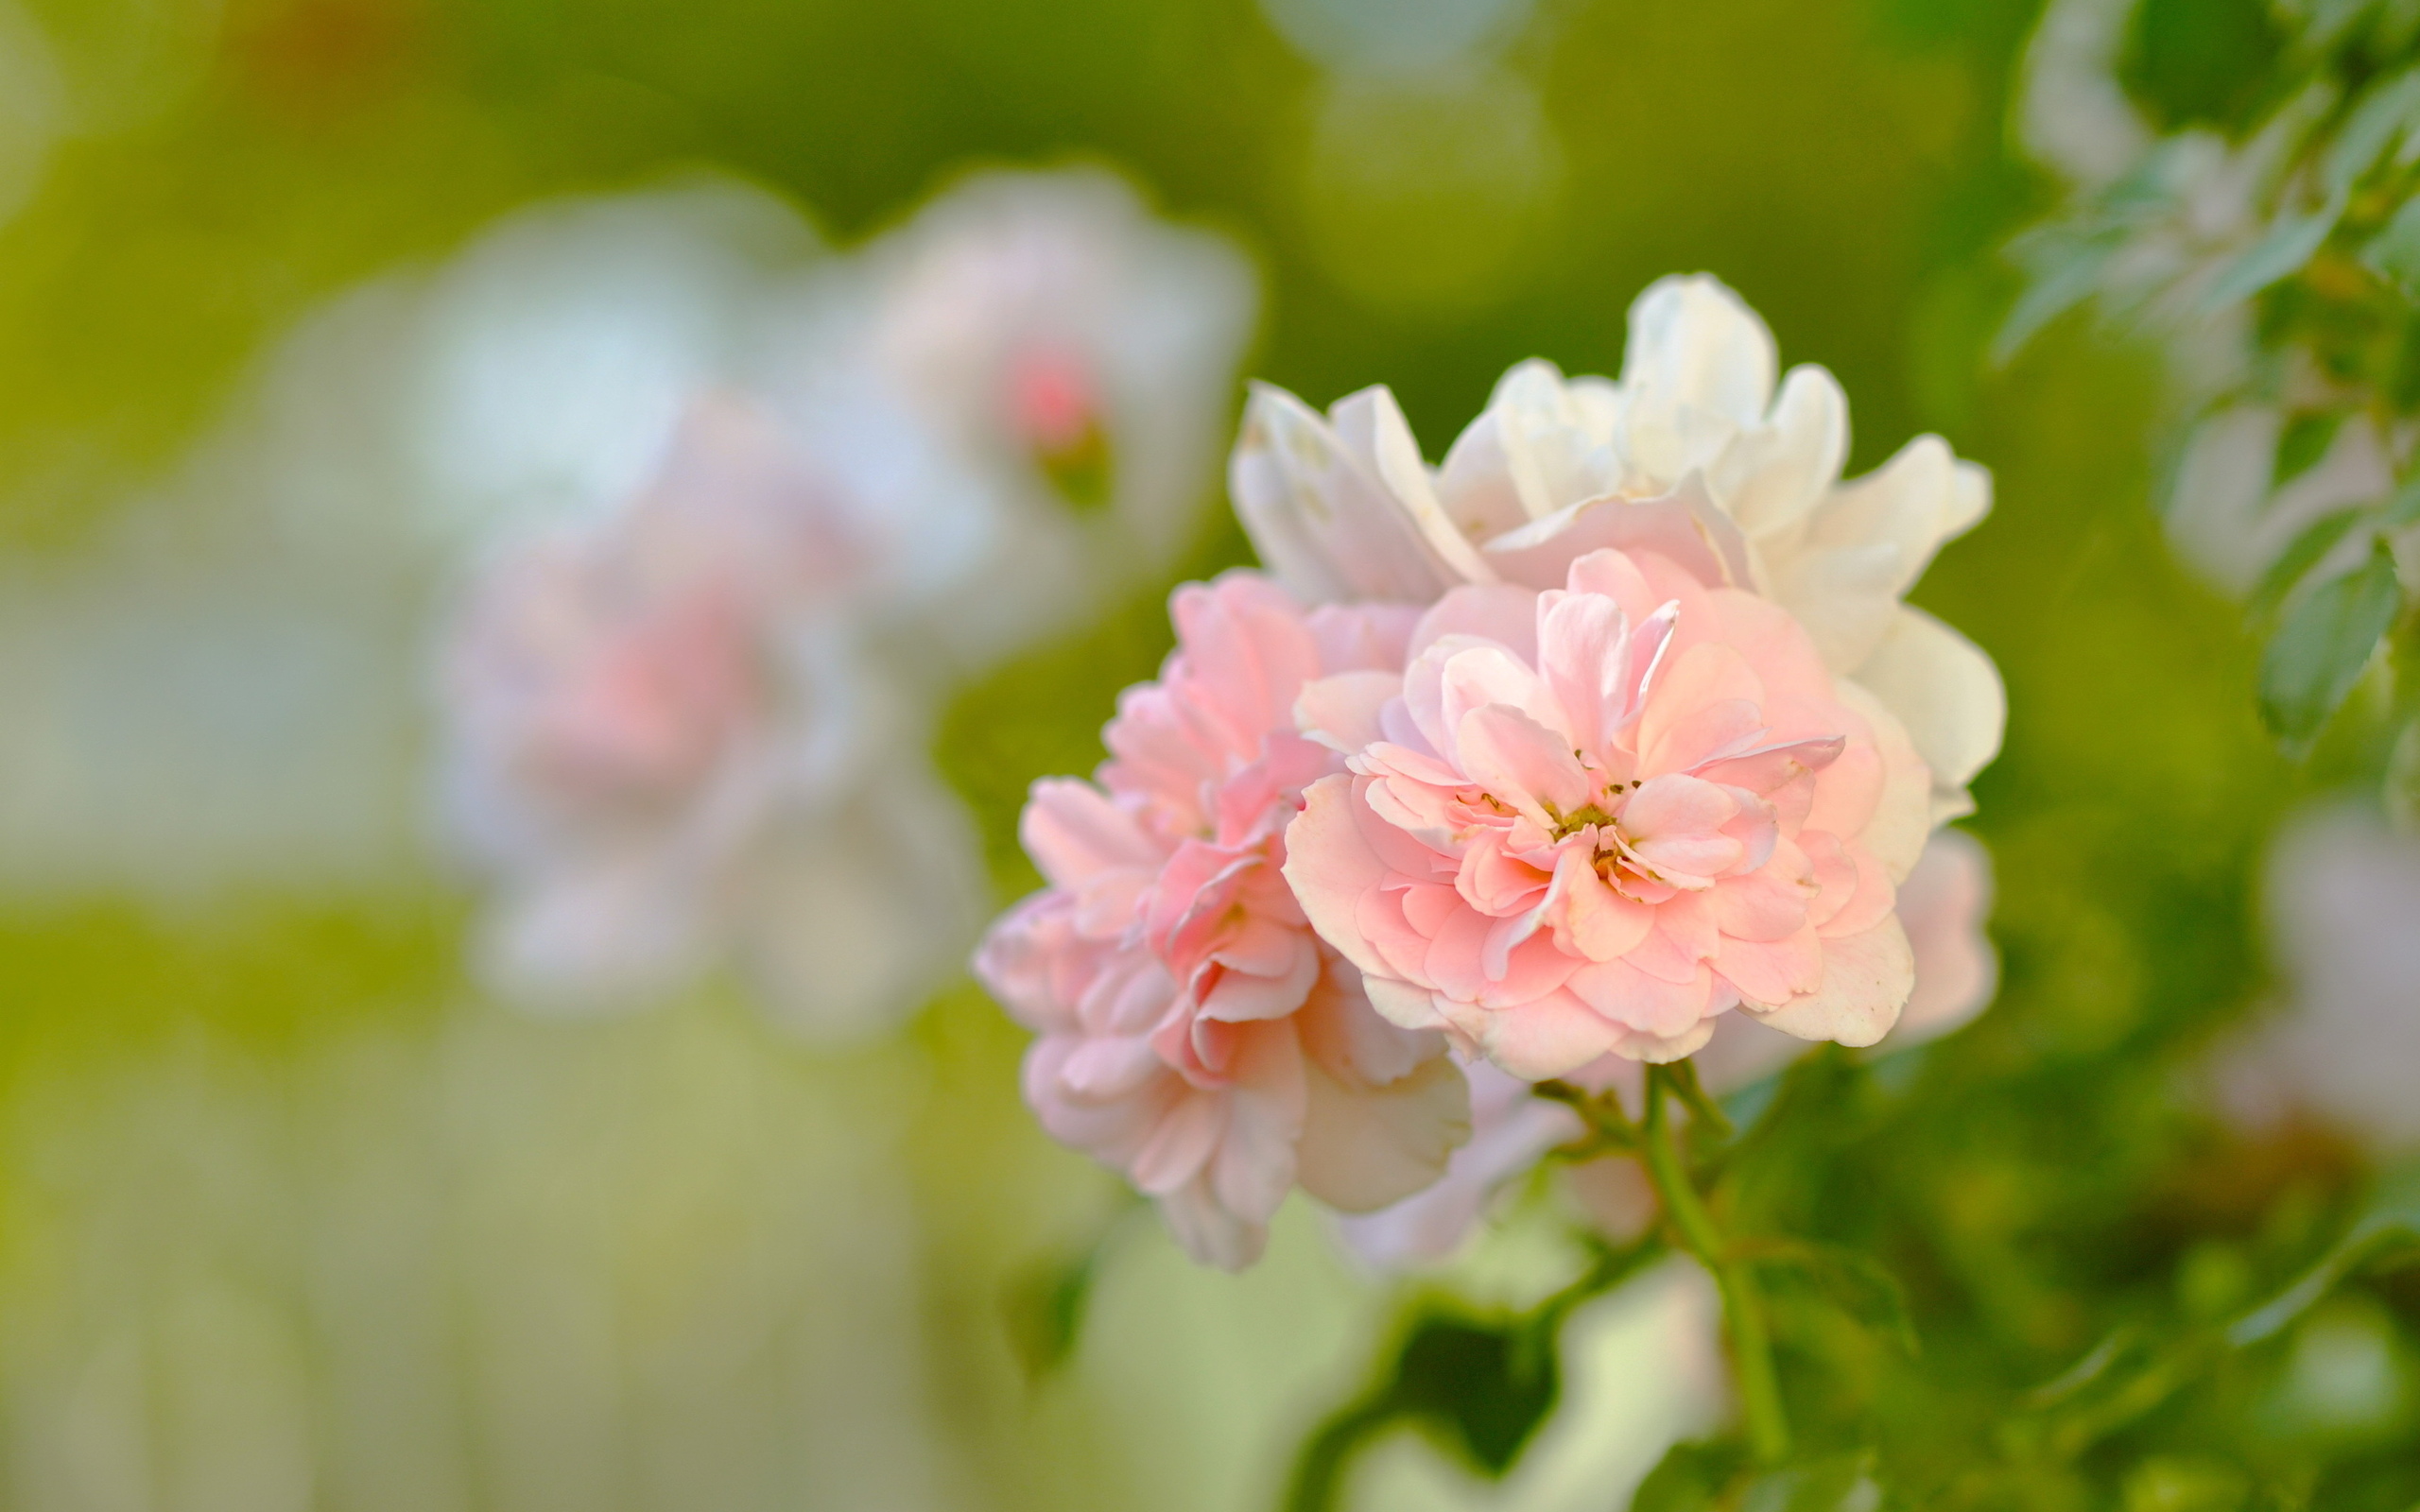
<point>1195,1033</point>
<point>664,750</point>
<point>1588,821</point>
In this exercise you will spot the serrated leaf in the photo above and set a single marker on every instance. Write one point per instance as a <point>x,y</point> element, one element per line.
<point>2306,440</point>
<point>2318,652</point>
<point>2313,542</point>
<point>2393,253</point>
<point>2281,253</point>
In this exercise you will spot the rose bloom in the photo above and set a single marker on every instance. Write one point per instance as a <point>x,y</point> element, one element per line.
<point>1693,454</point>
<point>1588,821</point>
<point>1194,1032</point>
<point>664,749</point>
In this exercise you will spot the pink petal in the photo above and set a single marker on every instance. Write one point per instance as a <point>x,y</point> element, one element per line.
<point>1341,711</point>
<point>1583,648</point>
<point>1624,995</point>
<point>1497,884</point>
<point>1521,762</point>
<point>1331,868</point>
<point>1866,980</point>
<point>1758,905</point>
<point>1495,611</point>
<point>1546,1038</point>
<point>1599,922</point>
<point>1073,831</point>
<point>1365,1145</point>
<point>1107,1069</point>
<point>1180,1144</point>
<point>1772,971</point>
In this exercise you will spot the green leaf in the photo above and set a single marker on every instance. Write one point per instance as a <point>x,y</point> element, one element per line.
<point>1844,1482</point>
<point>2401,789</point>
<point>2404,508</point>
<point>2393,253</point>
<point>2388,1232</point>
<point>2303,442</point>
<point>1481,1380</point>
<point>2319,652</point>
<point>1852,1280</point>
<point>1043,1308</point>
<point>2281,253</point>
<point>1690,1477</point>
<point>2065,275</point>
<point>2301,555</point>
<point>2379,117</point>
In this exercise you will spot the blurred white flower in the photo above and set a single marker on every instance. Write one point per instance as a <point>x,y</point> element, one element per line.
<point>1075,354</point>
<point>2071,112</point>
<point>2229,520</point>
<point>664,744</point>
<point>2342,892</point>
<point>1376,37</point>
<point>1692,454</point>
<point>225,691</point>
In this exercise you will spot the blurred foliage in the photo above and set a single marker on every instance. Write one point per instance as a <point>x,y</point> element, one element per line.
<point>2317,106</point>
<point>2066,1219</point>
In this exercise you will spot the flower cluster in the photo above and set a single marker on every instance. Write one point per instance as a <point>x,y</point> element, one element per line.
<point>672,713</point>
<point>1609,730</point>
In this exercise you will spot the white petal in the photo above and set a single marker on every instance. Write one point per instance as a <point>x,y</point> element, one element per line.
<point>1866,981</point>
<point>1770,479</point>
<point>1695,344</point>
<point>1320,517</point>
<point>1944,689</point>
<point>1943,905</point>
<point>1371,424</point>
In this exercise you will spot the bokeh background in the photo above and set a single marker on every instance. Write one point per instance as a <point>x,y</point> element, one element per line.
<point>293,1215</point>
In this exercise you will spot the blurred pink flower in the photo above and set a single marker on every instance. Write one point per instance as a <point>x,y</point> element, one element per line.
<point>1078,355</point>
<point>2342,892</point>
<point>1586,822</point>
<point>1942,904</point>
<point>659,745</point>
<point>1194,1032</point>
<point>1697,455</point>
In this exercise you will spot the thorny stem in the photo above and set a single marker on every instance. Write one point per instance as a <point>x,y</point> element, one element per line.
<point>1743,1306</point>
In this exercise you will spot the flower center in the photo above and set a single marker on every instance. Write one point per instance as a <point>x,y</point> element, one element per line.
<point>1055,409</point>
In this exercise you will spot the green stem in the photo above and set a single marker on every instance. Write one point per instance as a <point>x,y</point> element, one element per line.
<point>1743,1306</point>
